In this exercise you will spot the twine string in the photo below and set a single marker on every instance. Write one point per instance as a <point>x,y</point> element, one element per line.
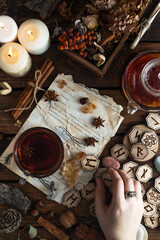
<point>38,75</point>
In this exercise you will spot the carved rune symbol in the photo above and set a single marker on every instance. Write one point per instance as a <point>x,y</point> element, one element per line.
<point>139,151</point>
<point>144,173</point>
<point>152,220</point>
<point>132,169</point>
<point>89,162</point>
<point>148,208</point>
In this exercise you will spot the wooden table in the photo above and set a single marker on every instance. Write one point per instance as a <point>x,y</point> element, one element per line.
<point>109,85</point>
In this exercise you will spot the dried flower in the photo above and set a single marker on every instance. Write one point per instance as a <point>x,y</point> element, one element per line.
<point>98,122</point>
<point>27,150</point>
<point>91,141</point>
<point>51,95</point>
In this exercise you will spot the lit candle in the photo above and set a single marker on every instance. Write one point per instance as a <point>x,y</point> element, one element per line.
<point>14,59</point>
<point>8,29</point>
<point>33,34</point>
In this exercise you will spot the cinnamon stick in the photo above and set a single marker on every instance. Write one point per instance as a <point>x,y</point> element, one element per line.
<point>27,101</point>
<point>51,228</point>
<point>26,96</point>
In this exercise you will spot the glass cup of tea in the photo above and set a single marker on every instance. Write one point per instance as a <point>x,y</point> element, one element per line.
<point>38,152</point>
<point>141,82</point>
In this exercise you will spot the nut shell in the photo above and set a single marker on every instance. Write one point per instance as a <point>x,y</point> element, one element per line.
<point>67,219</point>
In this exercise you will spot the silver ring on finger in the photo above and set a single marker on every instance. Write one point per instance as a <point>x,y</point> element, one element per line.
<point>130,194</point>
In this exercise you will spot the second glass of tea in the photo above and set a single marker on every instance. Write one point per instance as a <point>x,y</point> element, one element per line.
<point>141,82</point>
<point>38,152</point>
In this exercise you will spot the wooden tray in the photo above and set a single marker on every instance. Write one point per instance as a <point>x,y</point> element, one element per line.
<point>89,65</point>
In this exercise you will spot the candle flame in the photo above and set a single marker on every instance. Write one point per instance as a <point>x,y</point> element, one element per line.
<point>10,52</point>
<point>29,32</point>
<point>1,25</point>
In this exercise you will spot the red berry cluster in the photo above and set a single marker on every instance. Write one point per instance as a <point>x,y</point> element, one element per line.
<point>72,40</point>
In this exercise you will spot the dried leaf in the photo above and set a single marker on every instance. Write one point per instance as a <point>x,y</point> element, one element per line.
<point>70,172</point>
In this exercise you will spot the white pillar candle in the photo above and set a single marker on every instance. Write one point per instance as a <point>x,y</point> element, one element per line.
<point>33,34</point>
<point>8,29</point>
<point>14,59</point>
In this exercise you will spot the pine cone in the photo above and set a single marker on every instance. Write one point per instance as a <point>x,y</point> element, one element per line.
<point>10,220</point>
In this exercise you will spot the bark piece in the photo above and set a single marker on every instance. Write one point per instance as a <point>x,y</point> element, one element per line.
<point>14,198</point>
<point>44,7</point>
<point>51,228</point>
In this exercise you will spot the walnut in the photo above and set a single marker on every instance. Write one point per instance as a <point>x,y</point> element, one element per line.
<point>67,219</point>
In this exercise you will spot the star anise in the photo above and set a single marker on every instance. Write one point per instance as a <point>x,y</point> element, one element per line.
<point>51,95</point>
<point>27,150</point>
<point>90,141</point>
<point>98,122</point>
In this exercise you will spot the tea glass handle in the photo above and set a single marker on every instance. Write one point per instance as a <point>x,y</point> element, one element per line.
<point>132,107</point>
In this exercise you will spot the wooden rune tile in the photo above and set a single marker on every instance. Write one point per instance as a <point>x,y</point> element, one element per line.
<point>119,152</point>
<point>106,177</point>
<point>71,198</point>
<point>157,183</point>
<point>92,211</point>
<point>144,173</point>
<point>153,196</point>
<point>143,128</point>
<point>99,172</point>
<point>153,121</point>
<point>139,151</point>
<point>90,162</point>
<point>152,221</point>
<point>143,191</point>
<point>150,139</point>
<point>88,191</point>
<point>149,209</point>
<point>135,135</point>
<point>130,168</point>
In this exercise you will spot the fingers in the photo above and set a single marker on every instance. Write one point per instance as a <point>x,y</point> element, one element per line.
<point>118,186</point>
<point>100,205</point>
<point>128,182</point>
<point>110,162</point>
<point>138,189</point>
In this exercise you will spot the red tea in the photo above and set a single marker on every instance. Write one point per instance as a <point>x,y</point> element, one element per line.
<point>144,87</point>
<point>38,152</point>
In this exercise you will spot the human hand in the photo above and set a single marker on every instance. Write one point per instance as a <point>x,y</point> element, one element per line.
<point>120,220</point>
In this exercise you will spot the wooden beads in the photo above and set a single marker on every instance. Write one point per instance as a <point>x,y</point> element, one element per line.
<point>149,209</point>
<point>136,135</point>
<point>107,179</point>
<point>71,199</point>
<point>139,151</point>
<point>130,168</point>
<point>157,184</point>
<point>153,121</point>
<point>119,152</point>
<point>152,221</point>
<point>144,173</point>
<point>90,162</point>
<point>153,196</point>
<point>92,211</point>
<point>88,191</point>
